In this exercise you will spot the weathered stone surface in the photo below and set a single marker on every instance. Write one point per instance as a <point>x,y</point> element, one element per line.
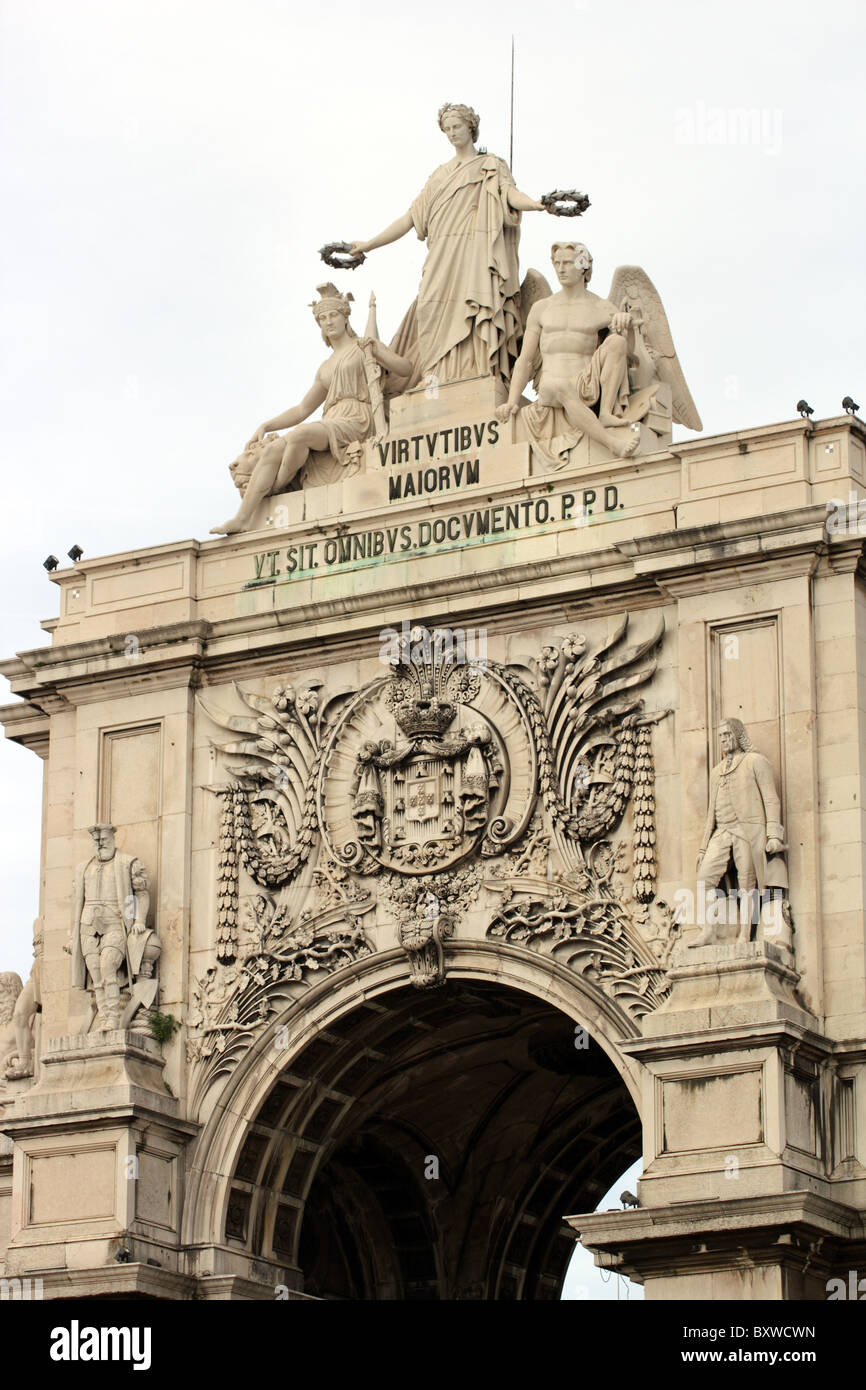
<point>415,768</point>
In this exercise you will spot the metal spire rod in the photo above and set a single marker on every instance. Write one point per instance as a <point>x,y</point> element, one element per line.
<point>511,136</point>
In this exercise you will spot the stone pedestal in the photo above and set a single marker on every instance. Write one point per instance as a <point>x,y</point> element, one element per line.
<point>88,1062</point>
<point>441,457</point>
<point>98,1165</point>
<point>719,986</point>
<point>475,398</point>
<point>785,1246</point>
<point>741,1136</point>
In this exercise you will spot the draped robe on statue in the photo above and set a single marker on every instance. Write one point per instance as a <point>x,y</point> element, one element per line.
<point>347,416</point>
<point>465,320</point>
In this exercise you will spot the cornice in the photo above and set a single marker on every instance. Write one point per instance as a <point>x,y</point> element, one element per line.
<point>28,725</point>
<point>740,1214</point>
<point>639,572</point>
<point>777,1033</point>
<point>701,559</point>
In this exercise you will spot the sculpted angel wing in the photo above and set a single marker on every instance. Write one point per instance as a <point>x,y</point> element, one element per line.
<point>534,287</point>
<point>632,289</point>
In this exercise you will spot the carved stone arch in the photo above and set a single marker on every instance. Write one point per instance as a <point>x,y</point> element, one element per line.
<point>283,1117</point>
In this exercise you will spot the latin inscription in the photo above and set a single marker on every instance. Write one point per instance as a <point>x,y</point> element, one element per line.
<point>471,527</point>
<point>438,479</point>
<point>420,448</point>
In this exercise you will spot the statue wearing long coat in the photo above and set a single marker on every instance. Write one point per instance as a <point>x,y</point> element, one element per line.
<point>753,795</point>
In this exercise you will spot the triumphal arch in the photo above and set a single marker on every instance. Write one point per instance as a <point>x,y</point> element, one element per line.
<point>476,809</point>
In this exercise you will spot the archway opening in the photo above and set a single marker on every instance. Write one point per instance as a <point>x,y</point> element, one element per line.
<point>584,1279</point>
<point>428,1146</point>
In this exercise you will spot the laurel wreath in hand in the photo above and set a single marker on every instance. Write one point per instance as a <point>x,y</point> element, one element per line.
<point>338,255</point>
<point>565,202</point>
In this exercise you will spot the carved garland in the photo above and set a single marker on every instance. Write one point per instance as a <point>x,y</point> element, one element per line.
<point>239,846</point>
<point>588,751</point>
<point>644,862</point>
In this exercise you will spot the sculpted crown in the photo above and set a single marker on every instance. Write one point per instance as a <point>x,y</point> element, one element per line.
<point>428,685</point>
<point>419,716</point>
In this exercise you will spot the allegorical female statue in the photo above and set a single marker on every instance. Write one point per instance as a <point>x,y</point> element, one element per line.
<point>465,321</point>
<point>341,385</point>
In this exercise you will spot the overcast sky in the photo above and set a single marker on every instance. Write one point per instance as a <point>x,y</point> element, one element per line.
<point>171,167</point>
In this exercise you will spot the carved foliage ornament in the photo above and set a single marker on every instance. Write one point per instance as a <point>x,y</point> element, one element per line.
<point>231,1003</point>
<point>339,256</point>
<point>426,772</point>
<point>427,911</point>
<point>579,920</point>
<point>565,202</point>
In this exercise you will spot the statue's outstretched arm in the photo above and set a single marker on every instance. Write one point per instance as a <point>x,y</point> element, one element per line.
<point>296,413</point>
<point>397,229</point>
<point>521,202</point>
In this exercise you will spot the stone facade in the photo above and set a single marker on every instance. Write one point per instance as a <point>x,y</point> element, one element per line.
<point>217,703</point>
<point>481,809</point>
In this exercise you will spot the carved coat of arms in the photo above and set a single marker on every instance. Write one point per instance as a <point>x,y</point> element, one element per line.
<point>421,801</point>
<point>436,781</point>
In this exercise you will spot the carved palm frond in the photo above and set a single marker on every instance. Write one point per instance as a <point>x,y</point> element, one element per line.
<point>269,816</point>
<point>597,738</point>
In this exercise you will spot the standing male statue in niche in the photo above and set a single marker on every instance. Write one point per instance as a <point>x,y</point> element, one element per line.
<point>743,823</point>
<point>110,934</point>
<point>466,320</point>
